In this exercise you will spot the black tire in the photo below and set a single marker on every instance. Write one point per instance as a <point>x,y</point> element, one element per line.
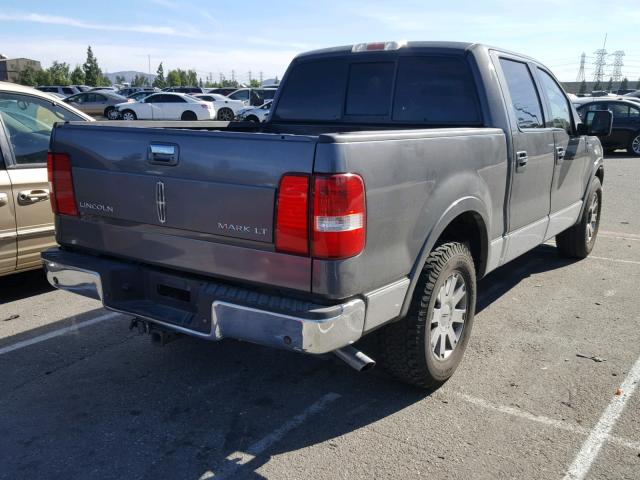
<point>406,345</point>
<point>129,113</point>
<point>252,118</point>
<point>111,113</point>
<point>188,115</point>
<point>634,145</point>
<point>578,241</point>
<point>225,114</point>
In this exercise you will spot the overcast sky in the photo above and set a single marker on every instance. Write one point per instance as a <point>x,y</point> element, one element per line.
<point>217,37</point>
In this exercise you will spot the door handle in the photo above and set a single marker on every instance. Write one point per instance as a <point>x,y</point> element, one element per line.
<point>4,199</point>
<point>163,154</point>
<point>33,196</point>
<point>560,153</point>
<point>522,159</point>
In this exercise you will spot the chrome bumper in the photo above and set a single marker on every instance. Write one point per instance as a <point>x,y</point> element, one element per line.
<point>297,331</point>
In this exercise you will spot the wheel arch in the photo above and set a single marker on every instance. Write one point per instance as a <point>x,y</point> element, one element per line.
<point>466,221</point>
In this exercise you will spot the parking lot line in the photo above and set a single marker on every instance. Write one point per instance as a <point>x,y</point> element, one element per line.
<point>592,445</point>
<point>551,422</point>
<point>57,333</point>
<point>617,260</point>
<point>620,235</point>
<point>242,458</point>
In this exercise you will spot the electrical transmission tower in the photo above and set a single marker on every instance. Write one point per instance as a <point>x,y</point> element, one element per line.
<point>616,75</point>
<point>580,77</point>
<point>600,62</point>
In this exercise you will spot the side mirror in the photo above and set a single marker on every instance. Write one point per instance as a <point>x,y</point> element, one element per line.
<point>597,122</point>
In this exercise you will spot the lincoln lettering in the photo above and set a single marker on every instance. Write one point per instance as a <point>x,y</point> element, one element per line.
<point>97,206</point>
<point>242,228</point>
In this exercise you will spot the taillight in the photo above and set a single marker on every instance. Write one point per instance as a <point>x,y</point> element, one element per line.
<point>338,216</point>
<point>63,198</point>
<point>335,225</point>
<point>292,213</point>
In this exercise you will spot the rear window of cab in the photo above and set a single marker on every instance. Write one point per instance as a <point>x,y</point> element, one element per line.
<point>431,89</point>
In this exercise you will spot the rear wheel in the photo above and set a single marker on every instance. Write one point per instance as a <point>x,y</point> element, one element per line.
<point>252,118</point>
<point>225,114</point>
<point>579,240</point>
<point>634,145</point>
<point>129,115</point>
<point>188,115</point>
<point>425,348</point>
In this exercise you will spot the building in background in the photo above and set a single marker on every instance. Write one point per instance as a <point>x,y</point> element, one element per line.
<point>10,68</point>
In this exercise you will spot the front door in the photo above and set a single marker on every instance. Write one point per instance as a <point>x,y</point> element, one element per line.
<point>26,121</point>
<point>571,161</point>
<point>532,159</point>
<point>8,244</point>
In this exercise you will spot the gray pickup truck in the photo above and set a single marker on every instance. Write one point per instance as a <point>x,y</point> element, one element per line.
<point>388,179</point>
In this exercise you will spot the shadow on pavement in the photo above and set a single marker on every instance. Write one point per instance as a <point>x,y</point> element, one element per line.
<point>127,409</point>
<point>23,285</point>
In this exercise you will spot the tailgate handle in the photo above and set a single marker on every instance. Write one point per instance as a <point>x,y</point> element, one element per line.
<point>163,154</point>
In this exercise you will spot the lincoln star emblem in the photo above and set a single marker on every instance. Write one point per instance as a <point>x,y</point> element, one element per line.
<point>161,205</point>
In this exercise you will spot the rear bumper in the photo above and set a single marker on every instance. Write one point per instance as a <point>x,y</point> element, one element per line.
<point>205,308</point>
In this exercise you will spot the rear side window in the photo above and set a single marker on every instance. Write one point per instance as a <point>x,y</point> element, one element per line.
<point>314,91</point>
<point>435,90</point>
<point>524,96</point>
<point>369,91</point>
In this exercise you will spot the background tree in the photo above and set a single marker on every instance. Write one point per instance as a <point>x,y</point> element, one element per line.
<point>624,84</point>
<point>120,79</point>
<point>103,81</point>
<point>254,83</point>
<point>159,81</point>
<point>59,73</point>
<point>583,87</point>
<point>77,76</point>
<point>192,78</point>
<point>609,85</point>
<point>597,86</point>
<point>43,77</point>
<point>28,76</point>
<point>92,72</point>
<point>173,78</point>
<point>140,81</point>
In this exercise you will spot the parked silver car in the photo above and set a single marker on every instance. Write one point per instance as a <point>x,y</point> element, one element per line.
<point>98,103</point>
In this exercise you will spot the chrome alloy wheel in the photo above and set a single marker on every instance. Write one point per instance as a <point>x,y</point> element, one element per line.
<point>635,145</point>
<point>449,316</point>
<point>128,116</point>
<point>593,214</point>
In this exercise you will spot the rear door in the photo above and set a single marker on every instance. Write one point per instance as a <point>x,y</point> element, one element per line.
<point>626,123</point>
<point>532,157</point>
<point>570,155</point>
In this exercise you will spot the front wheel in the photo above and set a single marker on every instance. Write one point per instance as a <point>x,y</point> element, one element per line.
<point>634,145</point>
<point>425,348</point>
<point>111,113</point>
<point>579,240</point>
<point>129,115</point>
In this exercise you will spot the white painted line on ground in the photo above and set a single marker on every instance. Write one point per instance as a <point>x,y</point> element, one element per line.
<point>617,260</point>
<point>242,458</point>
<point>592,445</point>
<point>619,235</point>
<point>56,333</point>
<point>551,422</point>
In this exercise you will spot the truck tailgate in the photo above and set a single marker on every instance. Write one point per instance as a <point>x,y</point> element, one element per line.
<point>181,191</point>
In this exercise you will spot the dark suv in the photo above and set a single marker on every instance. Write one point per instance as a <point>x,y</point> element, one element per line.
<point>626,123</point>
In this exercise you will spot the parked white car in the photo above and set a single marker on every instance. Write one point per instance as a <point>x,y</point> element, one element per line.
<point>254,114</point>
<point>167,106</point>
<point>226,109</point>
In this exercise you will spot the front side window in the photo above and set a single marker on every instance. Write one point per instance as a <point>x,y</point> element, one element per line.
<point>524,96</point>
<point>240,95</point>
<point>67,91</point>
<point>558,104</point>
<point>28,122</point>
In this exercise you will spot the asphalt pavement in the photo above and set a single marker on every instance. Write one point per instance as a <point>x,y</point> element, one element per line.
<point>548,388</point>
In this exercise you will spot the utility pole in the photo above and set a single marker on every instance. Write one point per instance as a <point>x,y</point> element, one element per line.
<point>580,77</point>
<point>249,77</point>
<point>233,75</point>
<point>260,78</point>
<point>600,62</point>
<point>149,59</point>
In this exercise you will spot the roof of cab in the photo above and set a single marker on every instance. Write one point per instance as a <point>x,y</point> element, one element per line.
<point>412,45</point>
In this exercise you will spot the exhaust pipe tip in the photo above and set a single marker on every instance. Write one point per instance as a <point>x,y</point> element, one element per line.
<point>356,359</point>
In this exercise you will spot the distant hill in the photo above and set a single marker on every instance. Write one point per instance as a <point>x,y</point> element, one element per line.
<point>129,75</point>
